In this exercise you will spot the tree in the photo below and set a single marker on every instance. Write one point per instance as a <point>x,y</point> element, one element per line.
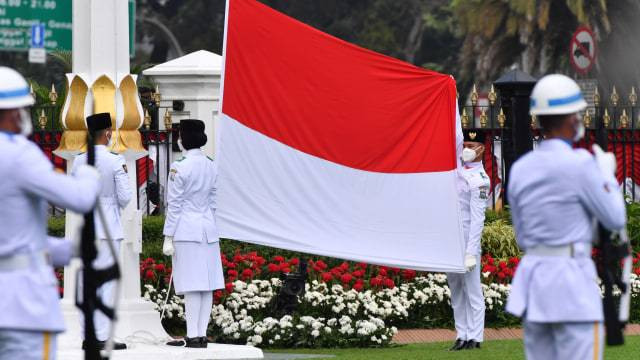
<point>534,35</point>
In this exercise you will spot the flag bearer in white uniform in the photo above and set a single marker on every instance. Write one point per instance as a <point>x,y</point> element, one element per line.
<point>30,316</point>
<point>467,298</point>
<point>115,194</point>
<point>190,232</point>
<point>555,192</point>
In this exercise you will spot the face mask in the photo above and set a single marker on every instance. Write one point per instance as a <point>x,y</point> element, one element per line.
<point>181,147</point>
<point>110,143</point>
<point>26,127</point>
<point>580,130</point>
<point>468,155</point>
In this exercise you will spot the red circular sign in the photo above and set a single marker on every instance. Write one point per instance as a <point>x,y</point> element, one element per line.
<point>583,50</point>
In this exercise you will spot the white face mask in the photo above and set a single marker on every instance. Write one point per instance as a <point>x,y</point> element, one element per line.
<point>580,130</point>
<point>181,147</point>
<point>110,143</point>
<point>468,155</point>
<point>26,126</point>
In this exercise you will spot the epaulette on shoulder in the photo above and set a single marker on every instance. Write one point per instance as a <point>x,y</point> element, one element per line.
<point>209,158</point>
<point>182,158</point>
<point>114,153</point>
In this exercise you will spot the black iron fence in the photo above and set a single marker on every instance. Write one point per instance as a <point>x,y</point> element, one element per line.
<point>612,121</point>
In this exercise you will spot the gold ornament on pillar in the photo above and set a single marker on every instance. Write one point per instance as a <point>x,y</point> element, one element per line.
<point>103,96</point>
<point>128,135</point>
<point>74,137</point>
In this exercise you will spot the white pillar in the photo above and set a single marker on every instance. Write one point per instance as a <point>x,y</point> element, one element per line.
<point>101,82</point>
<point>194,79</point>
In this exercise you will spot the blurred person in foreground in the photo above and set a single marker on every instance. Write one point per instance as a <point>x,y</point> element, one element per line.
<point>555,192</point>
<point>30,314</point>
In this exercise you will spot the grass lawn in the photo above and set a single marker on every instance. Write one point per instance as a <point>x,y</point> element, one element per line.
<point>491,350</point>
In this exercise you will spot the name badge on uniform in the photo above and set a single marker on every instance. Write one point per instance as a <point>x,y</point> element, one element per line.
<point>484,192</point>
<point>172,174</point>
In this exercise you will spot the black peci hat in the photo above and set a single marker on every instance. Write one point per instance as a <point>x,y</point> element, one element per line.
<point>474,135</point>
<point>192,133</point>
<point>97,122</point>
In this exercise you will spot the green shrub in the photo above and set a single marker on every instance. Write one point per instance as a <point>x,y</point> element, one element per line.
<point>56,226</point>
<point>499,240</point>
<point>492,215</point>
<point>633,225</point>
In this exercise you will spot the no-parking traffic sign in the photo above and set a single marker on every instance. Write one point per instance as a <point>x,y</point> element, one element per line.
<point>582,50</point>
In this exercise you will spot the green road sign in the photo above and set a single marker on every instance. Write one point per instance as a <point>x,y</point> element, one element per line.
<point>17,17</point>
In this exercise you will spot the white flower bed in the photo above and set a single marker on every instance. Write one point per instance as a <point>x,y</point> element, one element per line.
<point>326,316</point>
<point>332,316</point>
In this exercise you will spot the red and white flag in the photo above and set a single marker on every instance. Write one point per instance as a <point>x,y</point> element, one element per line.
<point>331,149</point>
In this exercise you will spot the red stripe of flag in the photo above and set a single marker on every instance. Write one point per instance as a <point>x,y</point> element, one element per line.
<point>334,100</point>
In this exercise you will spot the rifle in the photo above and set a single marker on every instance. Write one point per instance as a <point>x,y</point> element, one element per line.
<point>615,249</point>
<point>93,278</point>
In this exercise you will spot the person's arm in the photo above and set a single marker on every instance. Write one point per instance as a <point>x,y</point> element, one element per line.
<point>121,177</point>
<point>601,195</point>
<point>213,205</point>
<point>37,177</point>
<point>477,207</point>
<point>175,198</point>
<point>513,206</point>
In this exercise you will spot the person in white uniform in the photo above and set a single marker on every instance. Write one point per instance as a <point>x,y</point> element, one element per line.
<point>115,194</point>
<point>555,192</point>
<point>190,232</point>
<point>30,315</point>
<point>467,298</point>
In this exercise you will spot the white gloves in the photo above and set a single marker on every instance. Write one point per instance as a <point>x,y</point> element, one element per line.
<point>167,246</point>
<point>470,262</point>
<point>89,171</point>
<point>606,161</point>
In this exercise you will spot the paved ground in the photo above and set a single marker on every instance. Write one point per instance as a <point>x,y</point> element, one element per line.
<point>436,335</point>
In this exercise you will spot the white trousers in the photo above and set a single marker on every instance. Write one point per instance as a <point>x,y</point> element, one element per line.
<point>467,301</point>
<point>198,306</point>
<point>27,345</point>
<point>105,292</point>
<point>563,341</point>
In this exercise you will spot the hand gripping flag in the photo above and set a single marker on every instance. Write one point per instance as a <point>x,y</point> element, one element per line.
<point>331,149</point>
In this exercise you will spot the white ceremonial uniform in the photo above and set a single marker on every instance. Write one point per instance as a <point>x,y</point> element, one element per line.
<point>554,193</point>
<point>467,298</point>
<point>190,219</point>
<point>29,301</point>
<point>115,194</point>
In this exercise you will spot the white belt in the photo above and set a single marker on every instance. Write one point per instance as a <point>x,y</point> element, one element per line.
<point>570,250</point>
<point>24,261</point>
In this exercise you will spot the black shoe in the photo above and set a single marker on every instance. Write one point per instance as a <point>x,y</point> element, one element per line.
<point>179,342</point>
<point>204,342</point>
<point>119,346</point>
<point>193,342</point>
<point>472,344</point>
<point>458,345</point>
<point>103,344</point>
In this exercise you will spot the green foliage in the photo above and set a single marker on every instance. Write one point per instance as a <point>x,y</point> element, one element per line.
<point>64,58</point>
<point>499,240</point>
<point>56,226</point>
<point>633,225</point>
<point>492,215</point>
